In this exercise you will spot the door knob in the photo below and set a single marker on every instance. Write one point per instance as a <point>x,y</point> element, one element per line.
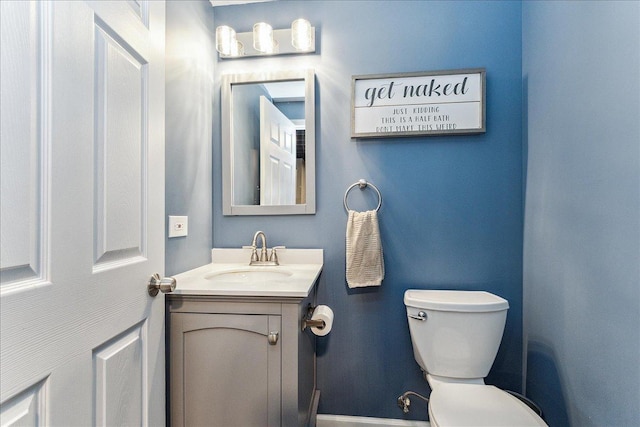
<point>156,283</point>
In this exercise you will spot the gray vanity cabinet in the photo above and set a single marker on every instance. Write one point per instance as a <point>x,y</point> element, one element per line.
<point>239,361</point>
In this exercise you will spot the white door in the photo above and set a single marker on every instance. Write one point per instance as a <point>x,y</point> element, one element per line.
<point>82,196</point>
<point>277,156</point>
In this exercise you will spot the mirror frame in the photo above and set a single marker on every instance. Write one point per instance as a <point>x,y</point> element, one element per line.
<point>228,80</point>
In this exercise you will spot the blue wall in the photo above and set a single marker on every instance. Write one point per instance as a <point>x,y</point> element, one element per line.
<point>581,74</point>
<point>453,206</point>
<point>189,123</point>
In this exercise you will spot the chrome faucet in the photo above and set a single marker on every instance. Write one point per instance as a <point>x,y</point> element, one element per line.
<point>264,258</point>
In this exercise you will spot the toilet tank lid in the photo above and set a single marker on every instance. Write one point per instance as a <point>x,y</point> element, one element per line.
<point>463,301</point>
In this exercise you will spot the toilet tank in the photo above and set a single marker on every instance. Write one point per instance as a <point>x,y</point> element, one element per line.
<point>461,333</point>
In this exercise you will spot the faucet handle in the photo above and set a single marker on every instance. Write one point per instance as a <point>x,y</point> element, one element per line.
<point>274,254</point>
<point>254,254</point>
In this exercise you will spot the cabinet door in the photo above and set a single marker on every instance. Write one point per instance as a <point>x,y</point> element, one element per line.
<point>224,370</point>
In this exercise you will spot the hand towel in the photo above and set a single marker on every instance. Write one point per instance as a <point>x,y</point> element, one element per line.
<point>365,264</point>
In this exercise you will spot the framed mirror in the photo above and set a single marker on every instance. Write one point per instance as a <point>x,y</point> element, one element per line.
<point>268,143</point>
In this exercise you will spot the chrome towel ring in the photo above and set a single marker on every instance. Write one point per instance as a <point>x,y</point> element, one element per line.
<point>362,183</point>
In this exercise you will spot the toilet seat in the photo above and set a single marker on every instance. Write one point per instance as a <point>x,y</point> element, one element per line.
<point>463,405</point>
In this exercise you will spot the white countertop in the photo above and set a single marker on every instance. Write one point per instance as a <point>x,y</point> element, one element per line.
<point>231,275</point>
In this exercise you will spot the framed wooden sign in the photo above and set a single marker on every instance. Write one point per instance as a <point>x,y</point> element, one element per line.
<point>416,104</point>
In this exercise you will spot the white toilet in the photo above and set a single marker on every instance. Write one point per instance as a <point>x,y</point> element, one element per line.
<point>455,337</point>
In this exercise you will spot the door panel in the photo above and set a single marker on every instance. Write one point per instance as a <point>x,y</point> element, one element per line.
<point>83,208</point>
<point>120,154</point>
<point>23,84</point>
<point>118,376</point>
<point>277,156</point>
<point>25,409</point>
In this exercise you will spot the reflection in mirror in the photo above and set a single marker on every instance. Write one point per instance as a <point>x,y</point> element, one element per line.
<point>268,143</point>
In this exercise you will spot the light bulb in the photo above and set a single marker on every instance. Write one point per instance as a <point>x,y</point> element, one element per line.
<point>263,37</point>
<point>225,39</point>
<point>301,34</point>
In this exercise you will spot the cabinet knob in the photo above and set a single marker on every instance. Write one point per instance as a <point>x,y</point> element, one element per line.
<point>273,337</point>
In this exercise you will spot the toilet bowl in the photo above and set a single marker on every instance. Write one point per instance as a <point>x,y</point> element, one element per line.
<point>455,337</point>
<point>479,406</point>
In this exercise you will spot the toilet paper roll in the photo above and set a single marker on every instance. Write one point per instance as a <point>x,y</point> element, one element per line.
<point>324,313</point>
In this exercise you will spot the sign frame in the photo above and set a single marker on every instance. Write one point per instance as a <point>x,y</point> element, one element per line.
<point>430,103</point>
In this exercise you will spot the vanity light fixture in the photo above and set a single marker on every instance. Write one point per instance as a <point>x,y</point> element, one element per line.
<point>264,40</point>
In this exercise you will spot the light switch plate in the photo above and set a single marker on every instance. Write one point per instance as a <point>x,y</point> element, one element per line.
<point>178,226</point>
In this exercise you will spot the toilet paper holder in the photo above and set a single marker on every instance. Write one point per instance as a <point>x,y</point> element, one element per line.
<point>307,321</point>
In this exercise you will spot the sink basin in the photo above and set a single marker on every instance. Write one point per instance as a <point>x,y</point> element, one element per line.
<point>249,274</point>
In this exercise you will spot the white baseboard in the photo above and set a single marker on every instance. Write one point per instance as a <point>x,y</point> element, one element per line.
<point>324,420</point>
